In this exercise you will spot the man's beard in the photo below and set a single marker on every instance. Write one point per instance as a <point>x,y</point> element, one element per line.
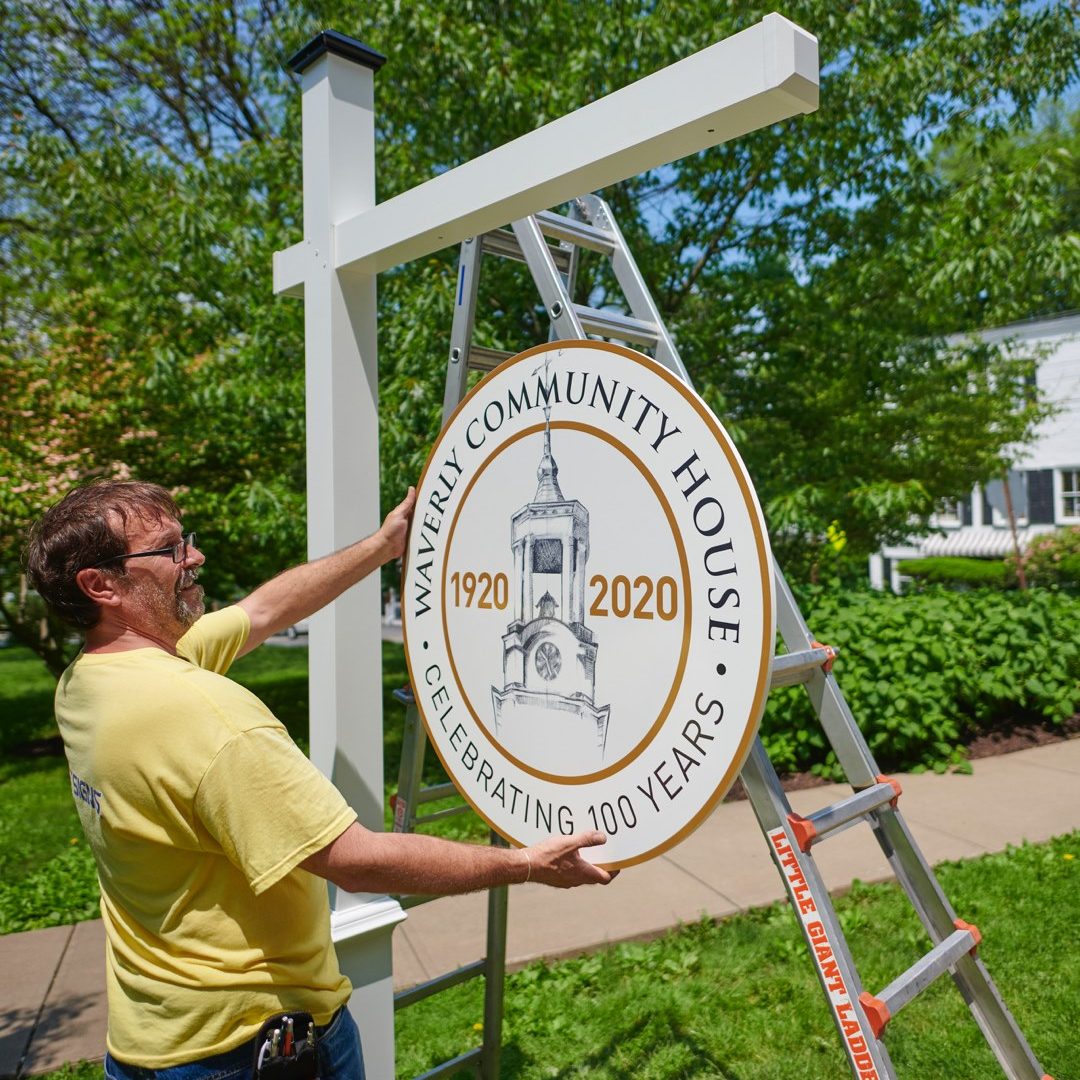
<point>189,609</point>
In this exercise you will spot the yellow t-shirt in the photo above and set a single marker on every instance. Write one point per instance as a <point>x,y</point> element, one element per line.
<point>198,807</point>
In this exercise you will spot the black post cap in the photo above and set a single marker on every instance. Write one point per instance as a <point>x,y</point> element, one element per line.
<point>330,41</point>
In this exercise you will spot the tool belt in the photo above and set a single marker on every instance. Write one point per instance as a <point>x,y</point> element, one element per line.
<point>286,1048</point>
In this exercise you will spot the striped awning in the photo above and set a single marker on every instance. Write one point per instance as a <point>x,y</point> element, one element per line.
<point>980,541</point>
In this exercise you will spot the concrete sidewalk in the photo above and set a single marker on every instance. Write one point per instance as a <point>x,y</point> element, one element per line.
<point>53,993</point>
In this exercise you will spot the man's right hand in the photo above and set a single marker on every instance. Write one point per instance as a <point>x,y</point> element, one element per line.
<point>363,861</point>
<point>557,861</point>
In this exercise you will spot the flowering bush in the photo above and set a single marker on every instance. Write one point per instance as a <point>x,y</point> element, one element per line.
<point>1054,558</point>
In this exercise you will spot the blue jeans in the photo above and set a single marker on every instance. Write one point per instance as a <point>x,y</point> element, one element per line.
<point>340,1058</point>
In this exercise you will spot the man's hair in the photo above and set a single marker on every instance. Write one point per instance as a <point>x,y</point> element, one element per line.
<point>84,527</point>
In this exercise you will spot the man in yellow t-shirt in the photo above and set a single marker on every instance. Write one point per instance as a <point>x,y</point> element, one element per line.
<point>212,832</point>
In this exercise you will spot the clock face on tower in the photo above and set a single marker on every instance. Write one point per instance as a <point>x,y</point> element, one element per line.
<point>548,660</point>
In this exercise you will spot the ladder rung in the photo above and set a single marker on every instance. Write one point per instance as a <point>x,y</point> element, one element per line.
<point>436,791</point>
<point>462,1061</point>
<point>482,358</point>
<point>809,830</point>
<point>965,939</point>
<point>438,815</point>
<point>797,667</point>
<point>404,998</point>
<point>504,244</point>
<point>578,233</point>
<point>617,325</point>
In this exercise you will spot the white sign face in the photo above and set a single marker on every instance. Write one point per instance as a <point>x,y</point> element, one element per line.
<point>587,601</point>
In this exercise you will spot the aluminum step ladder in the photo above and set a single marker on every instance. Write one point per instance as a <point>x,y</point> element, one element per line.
<point>550,244</point>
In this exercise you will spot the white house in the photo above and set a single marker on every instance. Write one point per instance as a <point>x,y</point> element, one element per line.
<point>1045,487</point>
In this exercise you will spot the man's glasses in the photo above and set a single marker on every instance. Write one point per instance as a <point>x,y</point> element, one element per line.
<point>178,551</point>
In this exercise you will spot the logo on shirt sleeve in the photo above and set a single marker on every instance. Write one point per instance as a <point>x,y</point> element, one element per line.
<point>86,793</point>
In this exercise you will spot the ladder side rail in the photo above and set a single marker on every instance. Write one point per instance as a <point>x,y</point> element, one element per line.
<point>483,1060</point>
<point>857,761</point>
<point>912,871</point>
<point>576,222</point>
<point>914,875</point>
<point>996,1021</point>
<point>494,976</point>
<point>829,705</point>
<point>411,766</point>
<point>974,981</point>
<point>553,272</point>
<point>461,331</point>
<point>548,280</point>
<point>633,285</point>
<point>810,901</point>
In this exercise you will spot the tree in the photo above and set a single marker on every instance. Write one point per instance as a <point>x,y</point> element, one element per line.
<point>811,272</point>
<point>143,192</point>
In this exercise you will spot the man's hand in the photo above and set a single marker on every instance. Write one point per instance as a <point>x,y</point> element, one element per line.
<point>396,526</point>
<point>557,861</point>
<point>363,861</point>
<point>301,591</point>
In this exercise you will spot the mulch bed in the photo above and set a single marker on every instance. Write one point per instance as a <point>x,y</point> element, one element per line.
<point>1003,739</point>
<point>1009,737</point>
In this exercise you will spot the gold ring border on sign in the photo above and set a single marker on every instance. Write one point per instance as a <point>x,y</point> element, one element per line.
<point>643,742</point>
<point>764,563</point>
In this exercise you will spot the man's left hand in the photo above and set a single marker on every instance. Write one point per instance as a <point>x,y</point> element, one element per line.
<point>396,526</point>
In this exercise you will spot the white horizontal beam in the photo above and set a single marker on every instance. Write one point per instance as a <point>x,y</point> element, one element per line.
<point>291,269</point>
<point>762,75</point>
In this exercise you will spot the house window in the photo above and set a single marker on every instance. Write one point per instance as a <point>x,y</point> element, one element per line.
<point>1070,494</point>
<point>949,516</point>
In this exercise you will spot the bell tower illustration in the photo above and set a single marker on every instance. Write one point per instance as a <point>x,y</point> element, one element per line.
<point>545,712</point>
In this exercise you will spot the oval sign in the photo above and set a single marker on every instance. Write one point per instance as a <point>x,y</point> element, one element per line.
<point>587,601</point>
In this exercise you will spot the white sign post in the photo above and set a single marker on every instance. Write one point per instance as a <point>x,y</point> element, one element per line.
<point>764,74</point>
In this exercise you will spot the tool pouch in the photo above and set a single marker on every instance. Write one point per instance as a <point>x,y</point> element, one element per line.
<point>302,1060</point>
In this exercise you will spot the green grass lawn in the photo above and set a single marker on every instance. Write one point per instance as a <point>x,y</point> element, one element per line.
<point>738,1000</point>
<point>47,875</point>
<point>733,1000</point>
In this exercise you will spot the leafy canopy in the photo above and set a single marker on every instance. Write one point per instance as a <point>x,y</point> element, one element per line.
<point>150,167</point>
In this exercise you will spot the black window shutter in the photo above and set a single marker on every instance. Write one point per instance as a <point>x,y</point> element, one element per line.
<point>1040,485</point>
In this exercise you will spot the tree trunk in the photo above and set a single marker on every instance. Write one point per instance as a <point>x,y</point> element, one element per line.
<point>39,631</point>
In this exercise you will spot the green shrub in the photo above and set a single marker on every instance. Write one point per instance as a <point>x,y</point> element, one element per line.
<point>62,890</point>
<point>1054,558</point>
<point>921,672</point>
<point>953,570</point>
